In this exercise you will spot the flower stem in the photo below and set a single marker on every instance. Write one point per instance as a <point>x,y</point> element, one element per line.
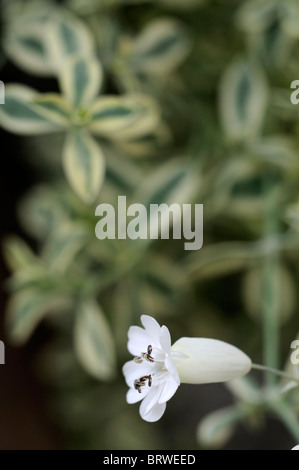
<point>271,370</point>
<point>270,302</point>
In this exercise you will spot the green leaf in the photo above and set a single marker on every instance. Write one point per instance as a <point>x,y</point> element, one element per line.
<point>174,182</point>
<point>161,284</point>
<point>94,344</point>
<point>84,165</point>
<point>161,47</point>
<point>245,389</point>
<point>217,428</point>
<point>220,259</point>
<point>41,211</point>
<point>80,80</point>
<point>52,107</point>
<point>255,17</point>
<point>26,309</point>
<point>25,46</point>
<point>276,150</point>
<point>243,100</point>
<point>18,114</point>
<point>110,114</point>
<point>122,173</point>
<point>163,275</point>
<point>146,144</point>
<point>63,245</point>
<point>17,254</point>
<point>68,36</point>
<point>148,121</point>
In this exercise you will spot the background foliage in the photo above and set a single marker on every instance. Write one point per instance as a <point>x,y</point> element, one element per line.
<point>161,101</point>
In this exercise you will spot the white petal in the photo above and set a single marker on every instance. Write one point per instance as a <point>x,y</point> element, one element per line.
<point>177,356</point>
<point>158,355</point>
<point>133,396</point>
<point>172,369</point>
<point>139,340</point>
<point>169,388</point>
<point>151,325</point>
<point>295,448</point>
<point>209,361</point>
<point>151,399</point>
<point>154,414</point>
<point>133,371</point>
<point>165,339</point>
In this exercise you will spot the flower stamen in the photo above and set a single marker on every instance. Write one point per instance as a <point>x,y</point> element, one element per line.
<point>138,383</point>
<point>147,356</point>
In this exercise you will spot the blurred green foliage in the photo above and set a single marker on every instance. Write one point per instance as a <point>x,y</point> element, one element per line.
<point>173,101</point>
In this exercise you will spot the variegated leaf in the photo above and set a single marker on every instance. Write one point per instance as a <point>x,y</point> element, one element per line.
<point>26,309</point>
<point>25,45</point>
<point>112,114</point>
<point>164,192</point>
<point>63,245</point>
<point>18,254</point>
<point>217,427</point>
<point>54,108</point>
<point>84,165</point>
<point>68,36</point>
<point>18,114</point>
<point>148,121</point>
<point>243,100</point>
<point>174,182</point>
<point>161,47</point>
<point>80,80</point>
<point>94,344</point>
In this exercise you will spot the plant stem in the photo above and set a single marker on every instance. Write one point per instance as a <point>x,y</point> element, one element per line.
<point>271,301</point>
<point>271,370</point>
<point>288,417</point>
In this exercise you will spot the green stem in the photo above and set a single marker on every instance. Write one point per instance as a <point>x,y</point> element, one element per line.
<point>288,417</point>
<point>270,305</point>
<point>278,372</point>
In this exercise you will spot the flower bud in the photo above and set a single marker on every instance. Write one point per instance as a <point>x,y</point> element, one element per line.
<point>209,361</point>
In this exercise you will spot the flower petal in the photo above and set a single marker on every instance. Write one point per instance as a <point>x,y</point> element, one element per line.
<point>169,388</point>
<point>165,339</point>
<point>172,370</point>
<point>151,399</point>
<point>139,340</point>
<point>133,371</point>
<point>133,396</point>
<point>151,325</point>
<point>153,413</point>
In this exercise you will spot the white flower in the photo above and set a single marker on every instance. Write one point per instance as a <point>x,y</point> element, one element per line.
<point>158,369</point>
<point>295,448</point>
<point>151,376</point>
